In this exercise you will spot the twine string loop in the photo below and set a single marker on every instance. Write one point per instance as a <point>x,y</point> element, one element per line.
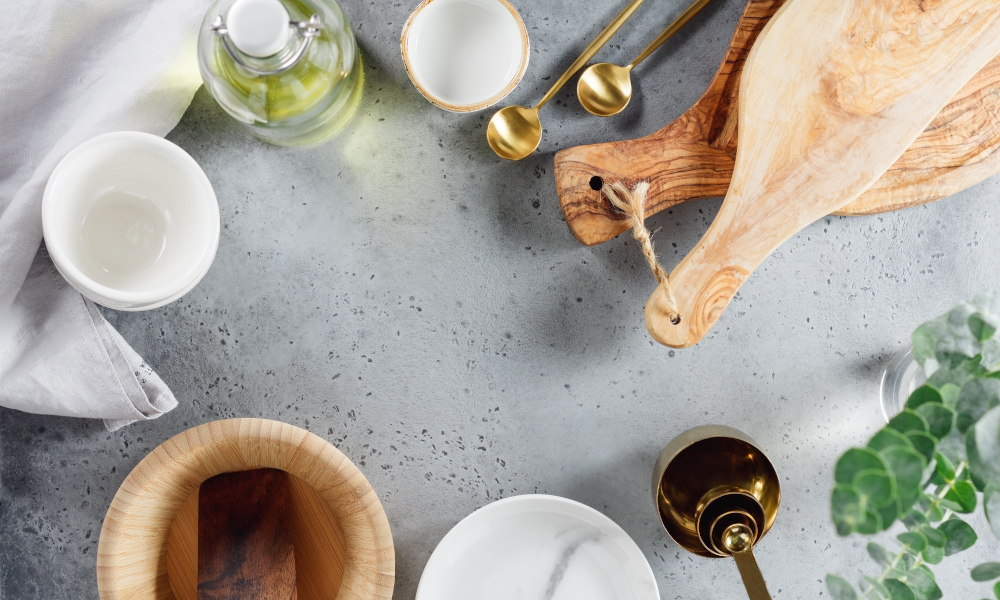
<point>633,203</point>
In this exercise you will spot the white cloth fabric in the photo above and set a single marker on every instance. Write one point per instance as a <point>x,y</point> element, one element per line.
<point>71,70</point>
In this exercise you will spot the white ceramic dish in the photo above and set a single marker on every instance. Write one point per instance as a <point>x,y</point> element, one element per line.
<point>130,220</point>
<point>465,55</point>
<point>537,546</point>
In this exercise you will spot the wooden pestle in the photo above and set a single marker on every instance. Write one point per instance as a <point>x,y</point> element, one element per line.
<point>245,548</point>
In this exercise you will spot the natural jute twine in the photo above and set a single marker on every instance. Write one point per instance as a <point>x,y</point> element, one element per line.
<point>633,204</point>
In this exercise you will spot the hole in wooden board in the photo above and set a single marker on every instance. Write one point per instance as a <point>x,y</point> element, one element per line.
<point>596,183</point>
<point>320,548</point>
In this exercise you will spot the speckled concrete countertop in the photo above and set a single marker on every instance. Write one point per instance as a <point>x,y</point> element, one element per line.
<point>405,294</point>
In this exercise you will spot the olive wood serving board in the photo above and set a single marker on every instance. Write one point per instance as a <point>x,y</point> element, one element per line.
<point>693,156</point>
<point>831,95</point>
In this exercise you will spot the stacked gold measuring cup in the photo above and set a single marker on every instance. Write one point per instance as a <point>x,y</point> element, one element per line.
<point>717,495</point>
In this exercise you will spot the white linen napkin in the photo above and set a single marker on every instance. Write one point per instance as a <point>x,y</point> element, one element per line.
<point>71,70</point>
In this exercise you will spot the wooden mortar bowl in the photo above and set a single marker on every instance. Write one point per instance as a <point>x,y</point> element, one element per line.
<point>148,546</point>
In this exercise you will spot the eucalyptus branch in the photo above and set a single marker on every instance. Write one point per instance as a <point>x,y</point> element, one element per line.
<point>954,416</point>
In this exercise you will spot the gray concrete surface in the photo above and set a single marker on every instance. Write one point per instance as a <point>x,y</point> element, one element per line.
<point>418,302</point>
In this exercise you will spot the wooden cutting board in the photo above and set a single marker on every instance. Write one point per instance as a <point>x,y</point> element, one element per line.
<point>831,95</point>
<point>693,157</point>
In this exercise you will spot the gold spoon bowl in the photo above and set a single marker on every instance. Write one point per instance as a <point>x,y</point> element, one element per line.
<point>514,132</point>
<point>605,89</point>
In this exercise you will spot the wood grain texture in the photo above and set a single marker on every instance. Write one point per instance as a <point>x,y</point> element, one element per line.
<point>693,157</point>
<point>182,551</point>
<point>334,507</point>
<point>319,542</point>
<point>832,94</point>
<point>245,549</point>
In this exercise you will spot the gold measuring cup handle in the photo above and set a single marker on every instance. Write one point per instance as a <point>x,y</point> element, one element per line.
<point>738,539</point>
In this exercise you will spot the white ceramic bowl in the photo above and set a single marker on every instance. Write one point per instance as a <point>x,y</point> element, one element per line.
<point>537,546</point>
<point>130,220</point>
<point>465,55</point>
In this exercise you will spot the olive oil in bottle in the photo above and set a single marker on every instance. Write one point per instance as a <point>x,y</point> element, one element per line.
<point>289,70</point>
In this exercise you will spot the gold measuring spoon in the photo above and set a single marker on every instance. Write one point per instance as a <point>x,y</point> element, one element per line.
<point>738,539</point>
<point>514,131</point>
<point>604,89</point>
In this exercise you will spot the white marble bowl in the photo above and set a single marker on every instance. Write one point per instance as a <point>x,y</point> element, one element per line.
<point>537,546</point>
<point>465,55</point>
<point>130,220</point>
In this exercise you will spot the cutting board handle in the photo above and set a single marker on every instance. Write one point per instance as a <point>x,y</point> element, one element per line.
<point>704,283</point>
<point>692,157</point>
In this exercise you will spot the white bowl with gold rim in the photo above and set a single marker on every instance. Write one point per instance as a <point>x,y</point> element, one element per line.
<point>465,55</point>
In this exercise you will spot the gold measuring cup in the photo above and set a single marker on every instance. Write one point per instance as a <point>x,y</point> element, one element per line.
<point>717,495</point>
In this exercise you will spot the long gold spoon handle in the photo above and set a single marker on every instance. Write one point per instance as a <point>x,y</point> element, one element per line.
<point>753,580</point>
<point>590,51</point>
<point>671,29</point>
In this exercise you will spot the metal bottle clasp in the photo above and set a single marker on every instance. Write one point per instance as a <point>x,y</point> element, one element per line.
<point>307,30</point>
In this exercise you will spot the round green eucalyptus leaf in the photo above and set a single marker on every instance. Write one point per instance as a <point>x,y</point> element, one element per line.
<point>899,590</point>
<point>953,447</point>
<point>875,487</point>
<point>909,420</point>
<point>889,513</point>
<point>903,566</point>
<point>940,419</point>
<point>923,443</point>
<point>949,395</point>
<point>846,509</point>
<point>950,505</point>
<point>914,540</point>
<point>935,538</point>
<point>935,513</point>
<point>977,397</point>
<point>991,506</point>
<point>844,528</point>
<point>982,444</point>
<point>880,555</point>
<point>887,438</point>
<point>914,518</point>
<point>907,467</point>
<point>840,589</point>
<point>944,467</point>
<point>979,482</point>
<point>933,555</point>
<point>921,582</point>
<point>963,495</point>
<point>877,584</point>
<point>959,535</point>
<point>981,327</point>
<point>872,523</point>
<point>842,496</point>
<point>991,356</point>
<point>856,460</point>
<point>925,340</point>
<point>986,571</point>
<point>922,395</point>
<point>960,372</point>
<point>996,590</point>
